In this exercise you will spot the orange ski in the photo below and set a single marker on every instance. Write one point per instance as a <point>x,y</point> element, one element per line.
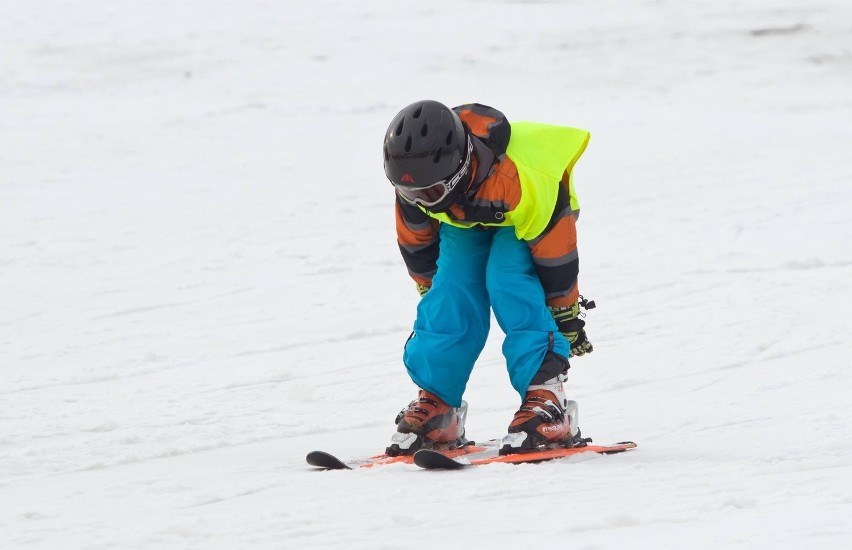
<point>435,460</point>
<point>326,461</point>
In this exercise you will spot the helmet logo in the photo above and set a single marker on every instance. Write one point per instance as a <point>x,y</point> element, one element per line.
<point>406,178</point>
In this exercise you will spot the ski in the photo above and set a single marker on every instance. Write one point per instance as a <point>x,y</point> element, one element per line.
<point>435,460</point>
<point>327,461</point>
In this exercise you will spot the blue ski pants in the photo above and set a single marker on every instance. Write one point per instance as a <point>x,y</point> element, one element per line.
<point>479,270</point>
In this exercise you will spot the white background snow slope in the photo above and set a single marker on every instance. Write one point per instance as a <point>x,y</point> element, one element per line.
<point>199,278</point>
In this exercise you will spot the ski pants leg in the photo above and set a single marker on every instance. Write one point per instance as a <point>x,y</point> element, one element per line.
<point>478,270</point>
<point>453,318</point>
<point>517,298</point>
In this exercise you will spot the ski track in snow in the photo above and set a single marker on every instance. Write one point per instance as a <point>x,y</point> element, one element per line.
<point>201,282</point>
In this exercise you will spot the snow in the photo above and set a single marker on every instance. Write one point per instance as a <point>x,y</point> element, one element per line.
<point>200,280</point>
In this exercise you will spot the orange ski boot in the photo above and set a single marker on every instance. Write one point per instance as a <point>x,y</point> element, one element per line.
<point>546,419</point>
<point>428,422</point>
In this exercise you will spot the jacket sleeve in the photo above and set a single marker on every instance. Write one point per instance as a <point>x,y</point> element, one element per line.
<point>417,236</point>
<point>554,254</point>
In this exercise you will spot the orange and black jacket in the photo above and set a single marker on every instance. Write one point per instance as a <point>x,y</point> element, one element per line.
<point>494,190</point>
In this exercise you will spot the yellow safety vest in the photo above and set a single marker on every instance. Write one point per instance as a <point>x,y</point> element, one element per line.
<point>542,153</point>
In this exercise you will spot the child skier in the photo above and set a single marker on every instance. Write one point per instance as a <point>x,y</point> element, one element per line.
<point>485,217</point>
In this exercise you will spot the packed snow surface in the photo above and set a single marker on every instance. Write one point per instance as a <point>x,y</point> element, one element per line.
<point>200,282</point>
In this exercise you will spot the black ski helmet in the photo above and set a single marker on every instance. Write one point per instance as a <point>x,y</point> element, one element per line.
<point>426,142</point>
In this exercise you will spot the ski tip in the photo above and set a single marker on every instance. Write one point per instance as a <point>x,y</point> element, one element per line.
<point>325,461</point>
<point>619,447</point>
<point>434,460</point>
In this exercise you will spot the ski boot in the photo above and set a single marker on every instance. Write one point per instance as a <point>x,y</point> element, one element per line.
<point>545,420</point>
<point>428,422</point>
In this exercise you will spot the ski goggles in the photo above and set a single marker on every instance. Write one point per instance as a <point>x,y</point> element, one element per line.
<point>433,194</point>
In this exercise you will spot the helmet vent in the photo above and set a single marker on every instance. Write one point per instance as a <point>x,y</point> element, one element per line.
<point>424,130</point>
<point>398,130</point>
<point>449,138</point>
<point>437,157</point>
<point>408,145</point>
<point>417,112</point>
